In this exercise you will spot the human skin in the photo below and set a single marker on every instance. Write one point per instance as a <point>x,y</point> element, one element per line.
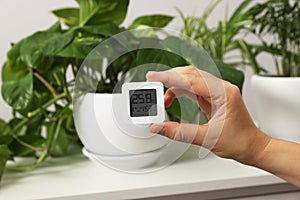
<point>238,138</point>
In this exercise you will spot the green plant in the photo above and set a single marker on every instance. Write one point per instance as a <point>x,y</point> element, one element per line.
<point>279,19</point>
<point>38,88</point>
<point>226,39</point>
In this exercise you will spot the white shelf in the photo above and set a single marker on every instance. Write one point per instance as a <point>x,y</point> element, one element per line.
<point>77,177</point>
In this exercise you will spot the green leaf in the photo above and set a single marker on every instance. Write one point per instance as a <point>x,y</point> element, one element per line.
<point>5,133</point>
<point>38,50</point>
<point>56,27</point>
<point>192,53</point>
<point>88,39</point>
<point>246,48</point>
<point>158,21</point>
<point>95,12</point>
<point>4,156</point>
<point>239,11</point>
<point>61,145</point>
<point>35,124</point>
<point>14,68</point>
<point>57,138</point>
<point>190,110</point>
<point>106,30</point>
<point>80,47</point>
<point>230,74</point>
<point>41,95</point>
<point>68,16</point>
<point>163,57</point>
<point>13,123</point>
<point>174,111</point>
<point>18,93</point>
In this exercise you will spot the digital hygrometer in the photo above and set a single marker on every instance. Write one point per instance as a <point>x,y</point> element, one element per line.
<point>144,102</point>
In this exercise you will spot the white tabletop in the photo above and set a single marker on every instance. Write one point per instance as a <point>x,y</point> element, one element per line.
<point>78,176</point>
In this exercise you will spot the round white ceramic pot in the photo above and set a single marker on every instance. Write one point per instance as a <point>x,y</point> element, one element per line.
<point>277,106</point>
<point>107,140</point>
<point>98,119</point>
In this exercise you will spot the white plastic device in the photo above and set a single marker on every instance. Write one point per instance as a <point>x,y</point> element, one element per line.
<point>144,102</point>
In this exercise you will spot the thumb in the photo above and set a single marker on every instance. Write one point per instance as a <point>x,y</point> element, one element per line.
<point>188,133</point>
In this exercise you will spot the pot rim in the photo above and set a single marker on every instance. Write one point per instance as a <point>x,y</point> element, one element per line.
<point>266,76</point>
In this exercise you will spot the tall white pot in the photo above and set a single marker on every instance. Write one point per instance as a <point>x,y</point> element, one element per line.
<point>277,106</point>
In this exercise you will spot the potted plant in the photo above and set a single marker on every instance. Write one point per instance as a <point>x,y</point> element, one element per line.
<point>226,41</point>
<point>39,75</point>
<point>276,96</point>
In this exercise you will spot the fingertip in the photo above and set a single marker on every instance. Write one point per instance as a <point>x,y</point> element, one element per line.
<point>149,75</point>
<point>156,128</point>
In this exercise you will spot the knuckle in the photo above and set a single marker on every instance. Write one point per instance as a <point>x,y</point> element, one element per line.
<point>192,75</point>
<point>232,90</point>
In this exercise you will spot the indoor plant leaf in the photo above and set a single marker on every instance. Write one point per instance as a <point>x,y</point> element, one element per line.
<point>94,12</point>
<point>105,29</point>
<point>57,139</point>
<point>14,68</point>
<point>68,16</point>
<point>61,145</point>
<point>5,133</point>
<point>18,93</point>
<point>80,47</point>
<point>230,74</point>
<point>4,156</point>
<point>158,21</point>
<point>195,55</point>
<point>37,52</point>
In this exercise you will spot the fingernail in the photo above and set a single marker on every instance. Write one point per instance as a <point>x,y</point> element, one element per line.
<point>156,128</point>
<point>150,73</point>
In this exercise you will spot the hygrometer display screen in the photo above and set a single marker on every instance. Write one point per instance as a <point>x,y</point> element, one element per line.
<point>143,102</point>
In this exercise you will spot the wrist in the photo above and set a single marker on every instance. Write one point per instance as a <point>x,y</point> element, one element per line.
<point>257,149</point>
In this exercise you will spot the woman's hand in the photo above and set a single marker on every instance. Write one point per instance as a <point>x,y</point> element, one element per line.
<point>230,131</point>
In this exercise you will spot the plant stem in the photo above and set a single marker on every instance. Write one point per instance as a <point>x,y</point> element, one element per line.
<point>52,139</point>
<point>29,167</point>
<point>30,116</point>
<point>33,148</point>
<point>56,133</point>
<point>47,85</point>
<point>46,105</point>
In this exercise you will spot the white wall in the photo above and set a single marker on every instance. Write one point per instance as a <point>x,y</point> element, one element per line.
<point>21,18</point>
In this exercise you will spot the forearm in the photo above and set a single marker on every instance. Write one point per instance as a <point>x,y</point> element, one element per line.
<point>281,158</point>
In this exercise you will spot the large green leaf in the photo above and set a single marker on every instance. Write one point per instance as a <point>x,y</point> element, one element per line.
<point>18,93</point>
<point>38,50</point>
<point>95,12</point>
<point>90,36</point>
<point>14,68</point>
<point>4,156</point>
<point>158,21</point>
<point>68,16</point>
<point>80,47</point>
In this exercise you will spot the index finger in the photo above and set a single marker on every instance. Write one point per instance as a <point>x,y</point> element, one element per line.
<point>189,78</point>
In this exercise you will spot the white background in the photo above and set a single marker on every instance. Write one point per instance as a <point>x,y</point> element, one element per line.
<point>22,18</point>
